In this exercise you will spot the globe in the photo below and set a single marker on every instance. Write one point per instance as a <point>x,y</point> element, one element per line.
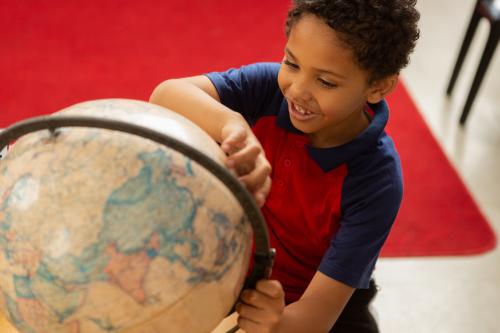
<point>107,231</point>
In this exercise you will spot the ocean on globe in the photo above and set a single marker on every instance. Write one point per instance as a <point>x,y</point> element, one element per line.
<point>103,231</point>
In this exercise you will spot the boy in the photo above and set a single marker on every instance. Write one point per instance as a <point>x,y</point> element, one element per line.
<point>317,121</point>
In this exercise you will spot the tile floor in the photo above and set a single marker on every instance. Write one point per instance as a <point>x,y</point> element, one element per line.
<point>451,294</point>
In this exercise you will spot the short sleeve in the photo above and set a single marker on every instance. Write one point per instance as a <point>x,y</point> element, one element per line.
<point>250,90</point>
<point>372,194</point>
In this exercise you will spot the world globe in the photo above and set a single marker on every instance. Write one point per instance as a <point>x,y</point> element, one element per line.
<point>109,229</point>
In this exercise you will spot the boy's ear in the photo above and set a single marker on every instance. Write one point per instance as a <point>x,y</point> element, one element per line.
<point>381,88</point>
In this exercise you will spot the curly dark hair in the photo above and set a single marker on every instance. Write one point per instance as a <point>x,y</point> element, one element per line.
<point>381,33</point>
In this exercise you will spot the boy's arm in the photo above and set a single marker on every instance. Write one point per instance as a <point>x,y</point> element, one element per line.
<point>317,310</point>
<point>197,99</point>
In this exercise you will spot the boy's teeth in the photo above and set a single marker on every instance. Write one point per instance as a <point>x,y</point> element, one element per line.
<point>301,110</point>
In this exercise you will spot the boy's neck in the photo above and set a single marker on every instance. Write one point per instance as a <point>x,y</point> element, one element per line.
<point>344,132</point>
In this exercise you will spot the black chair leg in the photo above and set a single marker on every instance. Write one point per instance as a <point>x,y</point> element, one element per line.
<point>489,49</point>
<point>463,50</point>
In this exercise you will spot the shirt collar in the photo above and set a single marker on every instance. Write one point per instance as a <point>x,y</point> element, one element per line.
<point>330,158</point>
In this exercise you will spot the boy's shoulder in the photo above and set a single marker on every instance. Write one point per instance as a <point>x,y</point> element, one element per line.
<point>252,90</point>
<point>250,72</point>
<point>265,68</point>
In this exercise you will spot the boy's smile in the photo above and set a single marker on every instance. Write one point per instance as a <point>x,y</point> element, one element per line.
<point>300,113</point>
<point>325,89</point>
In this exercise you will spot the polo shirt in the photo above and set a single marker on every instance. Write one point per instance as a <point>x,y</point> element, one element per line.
<point>329,209</point>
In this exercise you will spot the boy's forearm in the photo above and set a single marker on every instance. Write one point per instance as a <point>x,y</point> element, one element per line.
<point>305,316</point>
<point>189,100</point>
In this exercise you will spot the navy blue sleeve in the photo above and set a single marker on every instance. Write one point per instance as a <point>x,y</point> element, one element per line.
<point>250,90</point>
<point>371,197</point>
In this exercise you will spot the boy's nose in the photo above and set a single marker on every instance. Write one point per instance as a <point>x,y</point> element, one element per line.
<point>299,92</point>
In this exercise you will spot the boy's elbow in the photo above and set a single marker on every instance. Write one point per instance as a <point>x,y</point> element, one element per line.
<point>161,90</point>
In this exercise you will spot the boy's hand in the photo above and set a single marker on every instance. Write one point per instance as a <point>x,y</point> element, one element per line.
<point>247,159</point>
<point>261,309</point>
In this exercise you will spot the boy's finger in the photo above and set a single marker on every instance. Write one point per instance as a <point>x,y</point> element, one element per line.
<point>254,314</point>
<point>231,148</point>
<point>234,142</point>
<point>257,180</point>
<point>248,325</point>
<point>270,288</point>
<point>244,160</point>
<point>246,154</point>
<point>260,300</point>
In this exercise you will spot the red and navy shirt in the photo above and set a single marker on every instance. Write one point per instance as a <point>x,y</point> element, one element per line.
<point>329,209</point>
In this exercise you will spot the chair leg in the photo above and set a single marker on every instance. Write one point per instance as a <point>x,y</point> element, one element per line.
<point>463,50</point>
<point>489,49</point>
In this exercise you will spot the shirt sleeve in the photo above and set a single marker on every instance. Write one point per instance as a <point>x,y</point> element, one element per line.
<point>249,90</point>
<point>372,194</point>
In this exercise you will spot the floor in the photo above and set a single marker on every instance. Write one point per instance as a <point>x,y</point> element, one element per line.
<point>450,294</point>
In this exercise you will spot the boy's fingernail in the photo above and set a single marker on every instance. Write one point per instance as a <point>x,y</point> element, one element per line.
<point>230,163</point>
<point>260,199</point>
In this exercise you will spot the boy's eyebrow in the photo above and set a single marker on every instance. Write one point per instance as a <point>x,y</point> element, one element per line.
<point>291,55</point>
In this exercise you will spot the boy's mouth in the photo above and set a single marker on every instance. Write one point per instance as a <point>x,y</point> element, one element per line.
<point>298,112</point>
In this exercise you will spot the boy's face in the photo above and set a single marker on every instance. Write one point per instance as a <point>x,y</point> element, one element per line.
<point>325,89</point>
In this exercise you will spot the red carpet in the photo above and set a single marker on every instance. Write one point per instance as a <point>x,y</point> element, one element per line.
<point>56,53</point>
<point>438,215</point>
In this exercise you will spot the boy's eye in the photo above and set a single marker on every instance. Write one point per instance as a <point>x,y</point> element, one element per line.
<point>290,64</point>
<point>326,83</point>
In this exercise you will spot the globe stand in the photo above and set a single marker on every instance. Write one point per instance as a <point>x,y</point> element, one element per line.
<point>264,255</point>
